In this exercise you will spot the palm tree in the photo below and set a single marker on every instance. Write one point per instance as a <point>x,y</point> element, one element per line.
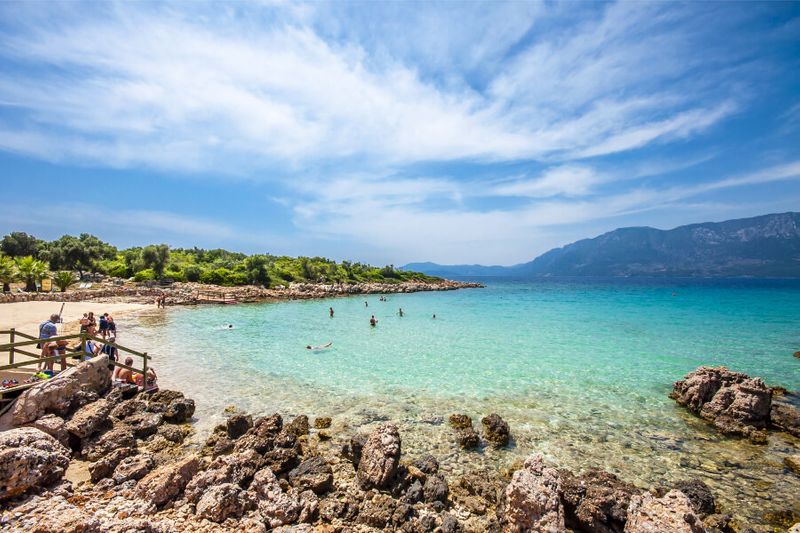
<point>31,270</point>
<point>64,280</point>
<point>8,272</point>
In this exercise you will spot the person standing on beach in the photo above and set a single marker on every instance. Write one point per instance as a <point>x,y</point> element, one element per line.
<point>103,325</point>
<point>112,327</point>
<point>373,322</point>
<point>47,329</point>
<point>330,311</point>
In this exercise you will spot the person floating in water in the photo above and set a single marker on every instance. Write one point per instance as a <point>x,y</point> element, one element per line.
<point>434,316</point>
<point>400,312</point>
<point>320,347</point>
<point>330,311</point>
<point>366,303</point>
<point>373,322</point>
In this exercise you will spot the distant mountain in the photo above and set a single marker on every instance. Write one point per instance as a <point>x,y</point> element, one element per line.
<point>764,246</point>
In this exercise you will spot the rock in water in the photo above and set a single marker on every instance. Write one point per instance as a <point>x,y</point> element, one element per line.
<point>496,429</point>
<point>531,501</point>
<point>380,457</point>
<point>238,425</point>
<point>699,495</point>
<point>29,458</point>
<point>299,426</point>
<point>732,401</point>
<point>166,482</point>
<point>323,422</point>
<point>786,417</point>
<point>673,513</point>
<point>179,410</point>
<point>460,421</point>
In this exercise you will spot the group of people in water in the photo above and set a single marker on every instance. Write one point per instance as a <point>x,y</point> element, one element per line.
<point>89,347</point>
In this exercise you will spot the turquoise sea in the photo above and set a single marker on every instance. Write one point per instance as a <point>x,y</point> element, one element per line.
<point>580,370</point>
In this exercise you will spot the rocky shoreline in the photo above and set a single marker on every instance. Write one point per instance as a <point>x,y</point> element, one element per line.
<point>198,293</point>
<point>140,472</point>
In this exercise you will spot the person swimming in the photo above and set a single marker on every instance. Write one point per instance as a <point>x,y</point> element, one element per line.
<point>330,311</point>
<point>373,321</point>
<point>400,312</point>
<point>434,316</point>
<point>320,347</point>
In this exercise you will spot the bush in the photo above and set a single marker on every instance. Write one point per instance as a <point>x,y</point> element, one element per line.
<point>145,275</point>
<point>117,269</point>
<point>192,273</point>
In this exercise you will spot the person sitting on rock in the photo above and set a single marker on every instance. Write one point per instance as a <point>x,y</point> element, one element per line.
<point>152,381</point>
<point>124,375</point>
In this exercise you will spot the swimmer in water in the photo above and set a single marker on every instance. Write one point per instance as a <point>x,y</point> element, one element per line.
<point>320,347</point>
<point>400,312</point>
<point>366,303</point>
<point>372,321</point>
<point>330,311</point>
<point>434,316</point>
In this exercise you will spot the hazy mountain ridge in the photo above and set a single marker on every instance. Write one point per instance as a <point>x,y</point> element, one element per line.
<point>763,246</point>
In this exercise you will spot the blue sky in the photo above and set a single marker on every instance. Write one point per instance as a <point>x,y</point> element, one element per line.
<point>394,132</point>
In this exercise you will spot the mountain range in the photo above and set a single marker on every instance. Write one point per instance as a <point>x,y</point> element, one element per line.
<point>763,246</point>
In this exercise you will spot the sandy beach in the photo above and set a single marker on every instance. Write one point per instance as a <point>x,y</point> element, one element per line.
<point>26,316</point>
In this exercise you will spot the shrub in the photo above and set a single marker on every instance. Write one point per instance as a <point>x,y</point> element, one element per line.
<point>192,273</point>
<point>145,275</point>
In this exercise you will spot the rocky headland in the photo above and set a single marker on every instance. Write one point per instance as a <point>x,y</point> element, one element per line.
<point>198,293</point>
<point>77,455</point>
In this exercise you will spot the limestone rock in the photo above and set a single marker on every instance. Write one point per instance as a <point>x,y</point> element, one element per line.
<point>467,438</point>
<point>281,460</point>
<point>531,500</point>
<point>793,462</point>
<point>237,425</point>
<point>380,457</point>
<point>166,482</point>
<point>312,474</point>
<point>427,464</point>
<point>128,408</point>
<point>89,419</point>
<point>224,501</point>
<point>53,425</point>
<point>179,410</point>
<point>460,421</point>
<point>104,467</point>
<point>29,458</point>
<point>435,488</point>
<point>114,439</point>
<point>135,467</point>
<point>323,422</point>
<point>57,395</point>
<point>299,426</point>
<point>234,468</point>
<point>700,496</point>
<point>673,512</point>
<point>496,430</point>
<point>595,501</point>
<point>352,450</point>
<point>275,507</point>
<point>786,417</point>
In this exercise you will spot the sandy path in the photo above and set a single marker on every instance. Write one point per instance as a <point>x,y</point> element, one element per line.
<point>26,316</point>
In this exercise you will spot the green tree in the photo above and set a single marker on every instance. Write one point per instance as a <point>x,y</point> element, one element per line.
<point>31,270</point>
<point>257,267</point>
<point>64,280</point>
<point>82,253</point>
<point>8,272</point>
<point>156,257</point>
<point>20,244</point>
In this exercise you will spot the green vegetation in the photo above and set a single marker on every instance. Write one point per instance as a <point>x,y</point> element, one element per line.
<point>64,280</point>
<point>86,253</point>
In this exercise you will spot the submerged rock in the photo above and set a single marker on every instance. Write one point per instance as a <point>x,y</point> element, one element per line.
<point>29,458</point>
<point>460,421</point>
<point>298,427</point>
<point>786,417</point>
<point>323,422</point>
<point>673,512</point>
<point>496,430</point>
<point>531,501</point>
<point>699,495</point>
<point>380,457</point>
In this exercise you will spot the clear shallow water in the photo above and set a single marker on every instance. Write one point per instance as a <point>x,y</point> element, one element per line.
<point>580,370</point>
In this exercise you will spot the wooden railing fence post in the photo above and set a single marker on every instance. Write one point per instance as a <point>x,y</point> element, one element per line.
<point>144,370</point>
<point>11,338</point>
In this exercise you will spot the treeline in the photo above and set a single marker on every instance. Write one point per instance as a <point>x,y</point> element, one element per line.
<point>32,258</point>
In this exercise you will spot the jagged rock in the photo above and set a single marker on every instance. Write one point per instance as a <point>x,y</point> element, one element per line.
<point>467,438</point>
<point>531,500</point>
<point>166,482</point>
<point>323,422</point>
<point>718,523</point>
<point>352,450</point>
<point>450,524</point>
<point>299,426</point>
<point>415,493</point>
<point>114,439</point>
<point>380,457</point>
<point>53,425</point>
<point>29,458</point>
<point>793,462</point>
<point>786,417</point>
<point>309,506</point>
<point>338,506</point>
<point>143,424</point>
<point>236,468</point>
<point>224,501</point>
<point>700,496</point>
<point>732,401</point>
<point>175,433</point>
<point>57,395</point>
<point>312,474</point>
<point>496,430</point>
<point>238,425</point>
<point>135,467</point>
<point>460,421</point>
<point>478,491</point>
<point>376,510</point>
<point>427,464</point>
<point>89,419</point>
<point>673,512</point>
<point>164,397</point>
<point>595,501</point>
<point>435,488</point>
<point>105,466</point>
<point>262,436</point>
<point>128,408</point>
<point>275,507</point>
<point>281,460</point>
<point>179,410</point>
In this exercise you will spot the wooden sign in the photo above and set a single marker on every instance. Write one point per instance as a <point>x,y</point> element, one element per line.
<point>47,285</point>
